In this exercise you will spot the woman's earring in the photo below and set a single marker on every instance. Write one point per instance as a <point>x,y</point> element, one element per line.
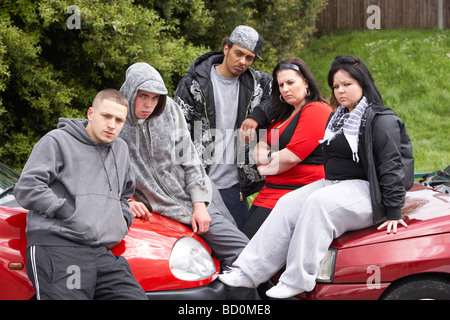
<point>307,92</point>
<point>281,99</point>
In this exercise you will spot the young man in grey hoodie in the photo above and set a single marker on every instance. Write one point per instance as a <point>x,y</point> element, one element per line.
<point>76,183</point>
<point>170,178</point>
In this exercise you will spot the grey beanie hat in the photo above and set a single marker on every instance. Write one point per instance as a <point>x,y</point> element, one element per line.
<point>247,38</point>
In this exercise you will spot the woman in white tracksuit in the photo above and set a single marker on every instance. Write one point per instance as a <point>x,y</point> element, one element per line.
<point>368,167</point>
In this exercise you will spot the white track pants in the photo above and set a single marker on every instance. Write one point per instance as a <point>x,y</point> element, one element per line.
<point>300,229</point>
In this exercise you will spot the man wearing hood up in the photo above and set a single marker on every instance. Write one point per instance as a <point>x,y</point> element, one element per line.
<point>170,178</point>
<point>76,183</point>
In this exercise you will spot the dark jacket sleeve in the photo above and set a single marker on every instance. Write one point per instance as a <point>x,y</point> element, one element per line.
<point>388,164</point>
<point>265,109</point>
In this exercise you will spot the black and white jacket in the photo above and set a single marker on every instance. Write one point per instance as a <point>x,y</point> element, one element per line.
<point>195,96</point>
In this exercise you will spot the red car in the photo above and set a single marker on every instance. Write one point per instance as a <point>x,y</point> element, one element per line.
<point>166,257</point>
<point>412,264</point>
<point>170,262</point>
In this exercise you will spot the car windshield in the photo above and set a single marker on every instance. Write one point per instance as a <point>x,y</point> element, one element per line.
<point>8,178</point>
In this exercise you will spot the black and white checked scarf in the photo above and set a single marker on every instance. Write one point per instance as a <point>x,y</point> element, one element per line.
<point>349,124</point>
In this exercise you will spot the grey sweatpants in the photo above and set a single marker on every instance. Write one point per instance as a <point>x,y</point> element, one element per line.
<point>80,273</point>
<point>300,229</point>
<point>224,237</point>
<point>226,242</point>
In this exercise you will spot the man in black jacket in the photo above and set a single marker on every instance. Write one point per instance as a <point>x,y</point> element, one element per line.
<point>220,94</point>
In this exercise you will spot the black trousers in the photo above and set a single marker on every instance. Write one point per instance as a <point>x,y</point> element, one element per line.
<point>256,217</point>
<point>237,208</point>
<point>80,273</point>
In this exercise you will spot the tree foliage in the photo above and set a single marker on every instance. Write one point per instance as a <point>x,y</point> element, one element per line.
<point>56,55</point>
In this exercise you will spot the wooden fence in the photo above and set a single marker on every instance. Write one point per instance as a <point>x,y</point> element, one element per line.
<point>392,14</point>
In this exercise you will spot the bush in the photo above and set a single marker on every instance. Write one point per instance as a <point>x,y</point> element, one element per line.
<point>48,70</point>
<point>411,69</point>
<point>54,57</point>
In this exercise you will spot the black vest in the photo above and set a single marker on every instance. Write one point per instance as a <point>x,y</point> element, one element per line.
<point>315,158</point>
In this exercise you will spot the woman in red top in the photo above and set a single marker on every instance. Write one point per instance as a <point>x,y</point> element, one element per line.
<point>289,154</point>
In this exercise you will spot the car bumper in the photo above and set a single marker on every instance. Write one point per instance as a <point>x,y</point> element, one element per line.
<point>215,290</point>
<point>345,292</point>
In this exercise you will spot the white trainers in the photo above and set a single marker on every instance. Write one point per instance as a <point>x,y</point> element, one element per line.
<point>282,291</point>
<point>234,277</point>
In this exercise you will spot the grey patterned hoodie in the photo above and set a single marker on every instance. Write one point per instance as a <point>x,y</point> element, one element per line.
<point>169,173</point>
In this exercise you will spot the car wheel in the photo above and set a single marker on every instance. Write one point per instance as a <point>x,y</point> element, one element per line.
<point>427,287</point>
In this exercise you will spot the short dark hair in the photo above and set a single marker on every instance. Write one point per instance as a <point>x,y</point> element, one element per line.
<point>356,68</point>
<point>110,94</point>
<point>227,41</point>
<point>283,109</point>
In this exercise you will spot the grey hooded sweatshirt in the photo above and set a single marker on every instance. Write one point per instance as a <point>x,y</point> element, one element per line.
<point>76,189</point>
<point>169,174</point>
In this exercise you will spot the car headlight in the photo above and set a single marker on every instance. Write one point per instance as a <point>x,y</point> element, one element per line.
<point>189,260</point>
<point>326,270</point>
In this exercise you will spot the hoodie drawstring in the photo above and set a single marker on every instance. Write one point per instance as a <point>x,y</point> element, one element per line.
<point>106,172</point>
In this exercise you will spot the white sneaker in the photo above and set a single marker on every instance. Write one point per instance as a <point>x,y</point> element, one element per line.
<point>282,291</point>
<point>234,277</point>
